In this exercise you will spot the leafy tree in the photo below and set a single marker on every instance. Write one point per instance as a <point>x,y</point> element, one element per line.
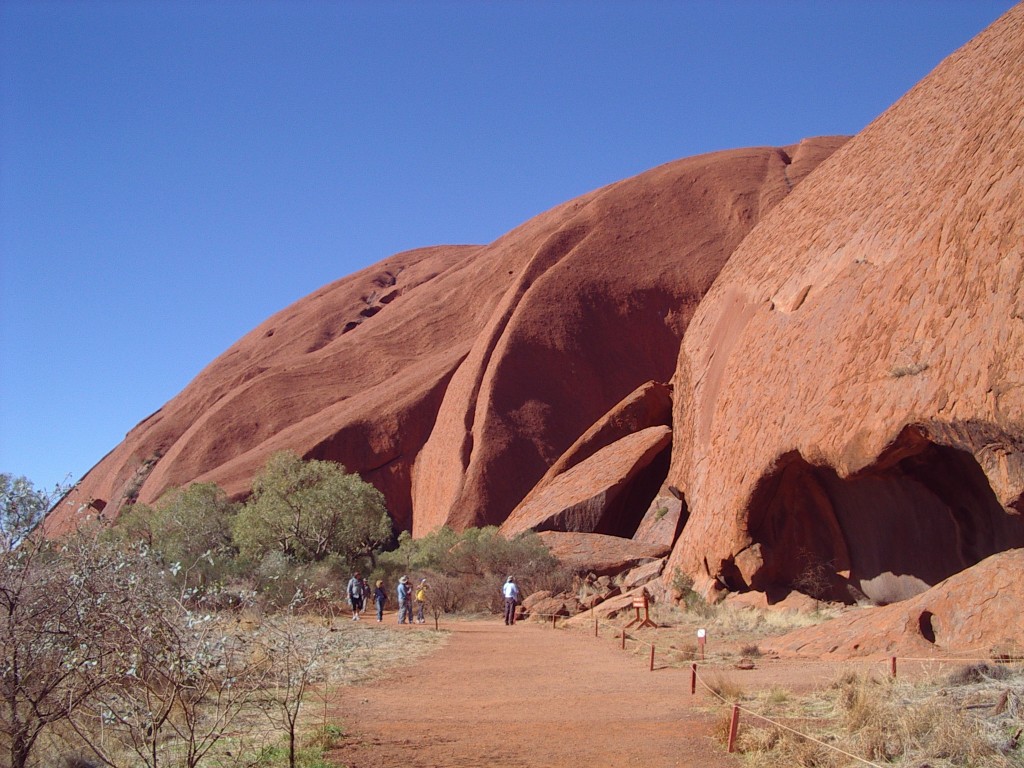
<point>189,530</point>
<point>308,510</point>
<point>22,508</point>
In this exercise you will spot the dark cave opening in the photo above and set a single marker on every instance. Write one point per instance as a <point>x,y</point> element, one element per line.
<point>921,513</point>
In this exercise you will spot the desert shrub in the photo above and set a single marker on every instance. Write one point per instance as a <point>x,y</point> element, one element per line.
<point>469,567</point>
<point>277,583</point>
<point>188,532</point>
<point>692,602</point>
<point>310,510</point>
<point>770,747</point>
<point>22,507</point>
<point>977,673</point>
<point>882,726</point>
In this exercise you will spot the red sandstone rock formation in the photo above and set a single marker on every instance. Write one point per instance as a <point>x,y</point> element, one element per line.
<point>599,495</point>
<point>976,611</point>
<point>354,373</point>
<point>500,355</point>
<point>600,554</point>
<point>599,309</point>
<point>849,399</point>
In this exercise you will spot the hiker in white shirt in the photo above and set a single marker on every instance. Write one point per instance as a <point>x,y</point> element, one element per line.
<point>511,594</point>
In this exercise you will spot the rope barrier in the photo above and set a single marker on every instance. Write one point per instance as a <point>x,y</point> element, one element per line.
<point>737,708</point>
<point>783,726</point>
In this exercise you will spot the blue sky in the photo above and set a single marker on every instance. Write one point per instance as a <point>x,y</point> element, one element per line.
<point>172,173</point>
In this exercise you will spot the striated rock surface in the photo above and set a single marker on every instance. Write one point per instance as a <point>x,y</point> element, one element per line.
<point>664,518</point>
<point>353,373</point>
<point>853,416</point>
<point>649,405</point>
<point>452,377</point>
<point>598,309</point>
<point>606,493</point>
<point>976,611</point>
<point>599,554</point>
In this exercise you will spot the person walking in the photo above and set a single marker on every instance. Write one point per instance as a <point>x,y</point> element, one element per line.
<point>380,597</point>
<point>356,595</point>
<point>404,600</point>
<point>511,594</point>
<point>421,602</point>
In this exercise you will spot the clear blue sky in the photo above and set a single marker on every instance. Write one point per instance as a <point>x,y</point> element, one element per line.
<point>172,173</point>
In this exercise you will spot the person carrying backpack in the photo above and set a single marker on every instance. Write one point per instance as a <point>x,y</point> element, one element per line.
<point>356,595</point>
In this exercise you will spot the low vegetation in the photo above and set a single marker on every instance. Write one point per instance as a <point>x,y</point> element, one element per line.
<point>199,631</point>
<point>956,720</point>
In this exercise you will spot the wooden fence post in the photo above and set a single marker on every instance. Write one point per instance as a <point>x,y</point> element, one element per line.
<point>734,726</point>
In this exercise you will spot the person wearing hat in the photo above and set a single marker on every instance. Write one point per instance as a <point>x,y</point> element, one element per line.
<point>404,600</point>
<point>421,601</point>
<point>511,594</point>
<point>380,597</point>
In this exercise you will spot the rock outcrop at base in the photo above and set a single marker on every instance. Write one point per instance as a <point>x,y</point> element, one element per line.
<point>849,399</point>
<point>600,554</point>
<point>975,611</point>
<point>603,494</point>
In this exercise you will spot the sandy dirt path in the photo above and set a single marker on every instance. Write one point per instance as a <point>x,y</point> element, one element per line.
<point>528,696</point>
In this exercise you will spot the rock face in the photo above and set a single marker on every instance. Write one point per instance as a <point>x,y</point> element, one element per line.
<point>853,416</point>
<point>353,373</point>
<point>599,495</point>
<point>452,377</point>
<point>976,611</point>
<point>598,553</point>
<point>598,309</point>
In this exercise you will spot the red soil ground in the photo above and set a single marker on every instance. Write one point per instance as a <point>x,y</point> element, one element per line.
<point>530,696</point>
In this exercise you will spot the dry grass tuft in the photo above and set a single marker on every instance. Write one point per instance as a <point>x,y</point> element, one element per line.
<point>725,687</point>
<point>772,747</point>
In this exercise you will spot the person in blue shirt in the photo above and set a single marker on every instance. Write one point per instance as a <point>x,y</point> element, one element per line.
<point>380,597</point>
<point>404,600</point>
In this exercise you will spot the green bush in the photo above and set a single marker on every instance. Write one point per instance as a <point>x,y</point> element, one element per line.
<point>189,532</point>
<point>310,510</point>
<point>466,570</point>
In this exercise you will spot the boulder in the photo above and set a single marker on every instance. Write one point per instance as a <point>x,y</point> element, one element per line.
<point>663,520</point>
<point>605,493</point>
<point>976,611</point>
<point>849,397</point>
<point>599,554</point>
<point>650,405</point>
<point>611,608</point>
<point>555,605</point>
<point>642,574</point>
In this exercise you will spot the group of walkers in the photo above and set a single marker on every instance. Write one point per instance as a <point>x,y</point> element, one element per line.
<point>359,593</point>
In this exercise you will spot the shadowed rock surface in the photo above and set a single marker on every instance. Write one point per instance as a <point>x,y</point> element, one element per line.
<point>854,387</point>
<point>978,611</point>
<point>606,493</point>
<point>600,554</point>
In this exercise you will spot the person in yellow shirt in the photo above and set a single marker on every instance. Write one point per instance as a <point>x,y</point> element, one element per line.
<point>421,601</point>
